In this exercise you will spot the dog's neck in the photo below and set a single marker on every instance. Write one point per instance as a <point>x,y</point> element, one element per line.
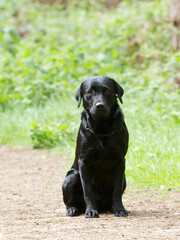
<point>103,126</point>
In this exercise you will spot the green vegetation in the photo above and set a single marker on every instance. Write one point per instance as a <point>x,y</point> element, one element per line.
<point>46,52</point>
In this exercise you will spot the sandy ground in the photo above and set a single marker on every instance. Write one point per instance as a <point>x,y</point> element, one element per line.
<point>31,205</point>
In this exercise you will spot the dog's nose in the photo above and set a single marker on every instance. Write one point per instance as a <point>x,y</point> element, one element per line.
<point>99,105</point>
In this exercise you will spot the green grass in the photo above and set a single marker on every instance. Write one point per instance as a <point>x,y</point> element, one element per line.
<point>46,52</point>
<point>17,125</point>
<point>153,158</point>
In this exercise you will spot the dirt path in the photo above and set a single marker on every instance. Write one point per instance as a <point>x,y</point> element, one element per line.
<point>31,204</point>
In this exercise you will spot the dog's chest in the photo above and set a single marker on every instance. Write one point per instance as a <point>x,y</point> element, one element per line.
<point>104,144</point>
<point>103,157</point>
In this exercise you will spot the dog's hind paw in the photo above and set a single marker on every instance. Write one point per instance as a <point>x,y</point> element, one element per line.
<point>72,211</point>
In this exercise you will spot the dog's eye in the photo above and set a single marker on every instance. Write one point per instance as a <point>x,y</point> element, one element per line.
<point>107,92</point>
<point>90,91</point>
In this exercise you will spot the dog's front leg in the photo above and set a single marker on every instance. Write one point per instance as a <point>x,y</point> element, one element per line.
<point>118,208</point>
<point>91,209</point>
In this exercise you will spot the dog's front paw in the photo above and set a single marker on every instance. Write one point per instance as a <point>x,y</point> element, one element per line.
<point>90,213</point>
<point>120,212</point>
<point>72,211</point>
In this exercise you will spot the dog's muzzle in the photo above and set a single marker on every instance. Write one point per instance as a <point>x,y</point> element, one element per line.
<point>100,110</point>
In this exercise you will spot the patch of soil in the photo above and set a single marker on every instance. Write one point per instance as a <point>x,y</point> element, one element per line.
<point>31,205</point>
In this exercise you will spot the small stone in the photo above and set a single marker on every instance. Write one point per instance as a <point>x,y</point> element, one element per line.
<point>176,213</point>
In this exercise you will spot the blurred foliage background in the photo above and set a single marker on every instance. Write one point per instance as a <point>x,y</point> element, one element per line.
<point>47,48</point>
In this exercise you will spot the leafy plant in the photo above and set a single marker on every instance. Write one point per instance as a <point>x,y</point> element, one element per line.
<point>47,136</point>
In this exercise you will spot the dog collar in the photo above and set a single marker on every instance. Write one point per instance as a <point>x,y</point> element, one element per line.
<point>103,135</point>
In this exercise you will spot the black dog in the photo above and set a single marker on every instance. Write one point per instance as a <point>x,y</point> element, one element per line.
<point>96,180</point>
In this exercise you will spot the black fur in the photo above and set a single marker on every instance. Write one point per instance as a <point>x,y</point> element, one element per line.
<point>96,180</point>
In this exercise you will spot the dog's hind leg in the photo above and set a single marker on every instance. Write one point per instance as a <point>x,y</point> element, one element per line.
<point>73,193</point>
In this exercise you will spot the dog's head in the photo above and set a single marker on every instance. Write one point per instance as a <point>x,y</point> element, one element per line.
<point>99,96</point>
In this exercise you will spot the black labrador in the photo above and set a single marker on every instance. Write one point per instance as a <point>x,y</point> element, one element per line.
<point>96,180</point>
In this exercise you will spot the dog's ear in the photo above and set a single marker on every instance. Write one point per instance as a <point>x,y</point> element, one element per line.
<point>78,95</point>
<point>119,91</point>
